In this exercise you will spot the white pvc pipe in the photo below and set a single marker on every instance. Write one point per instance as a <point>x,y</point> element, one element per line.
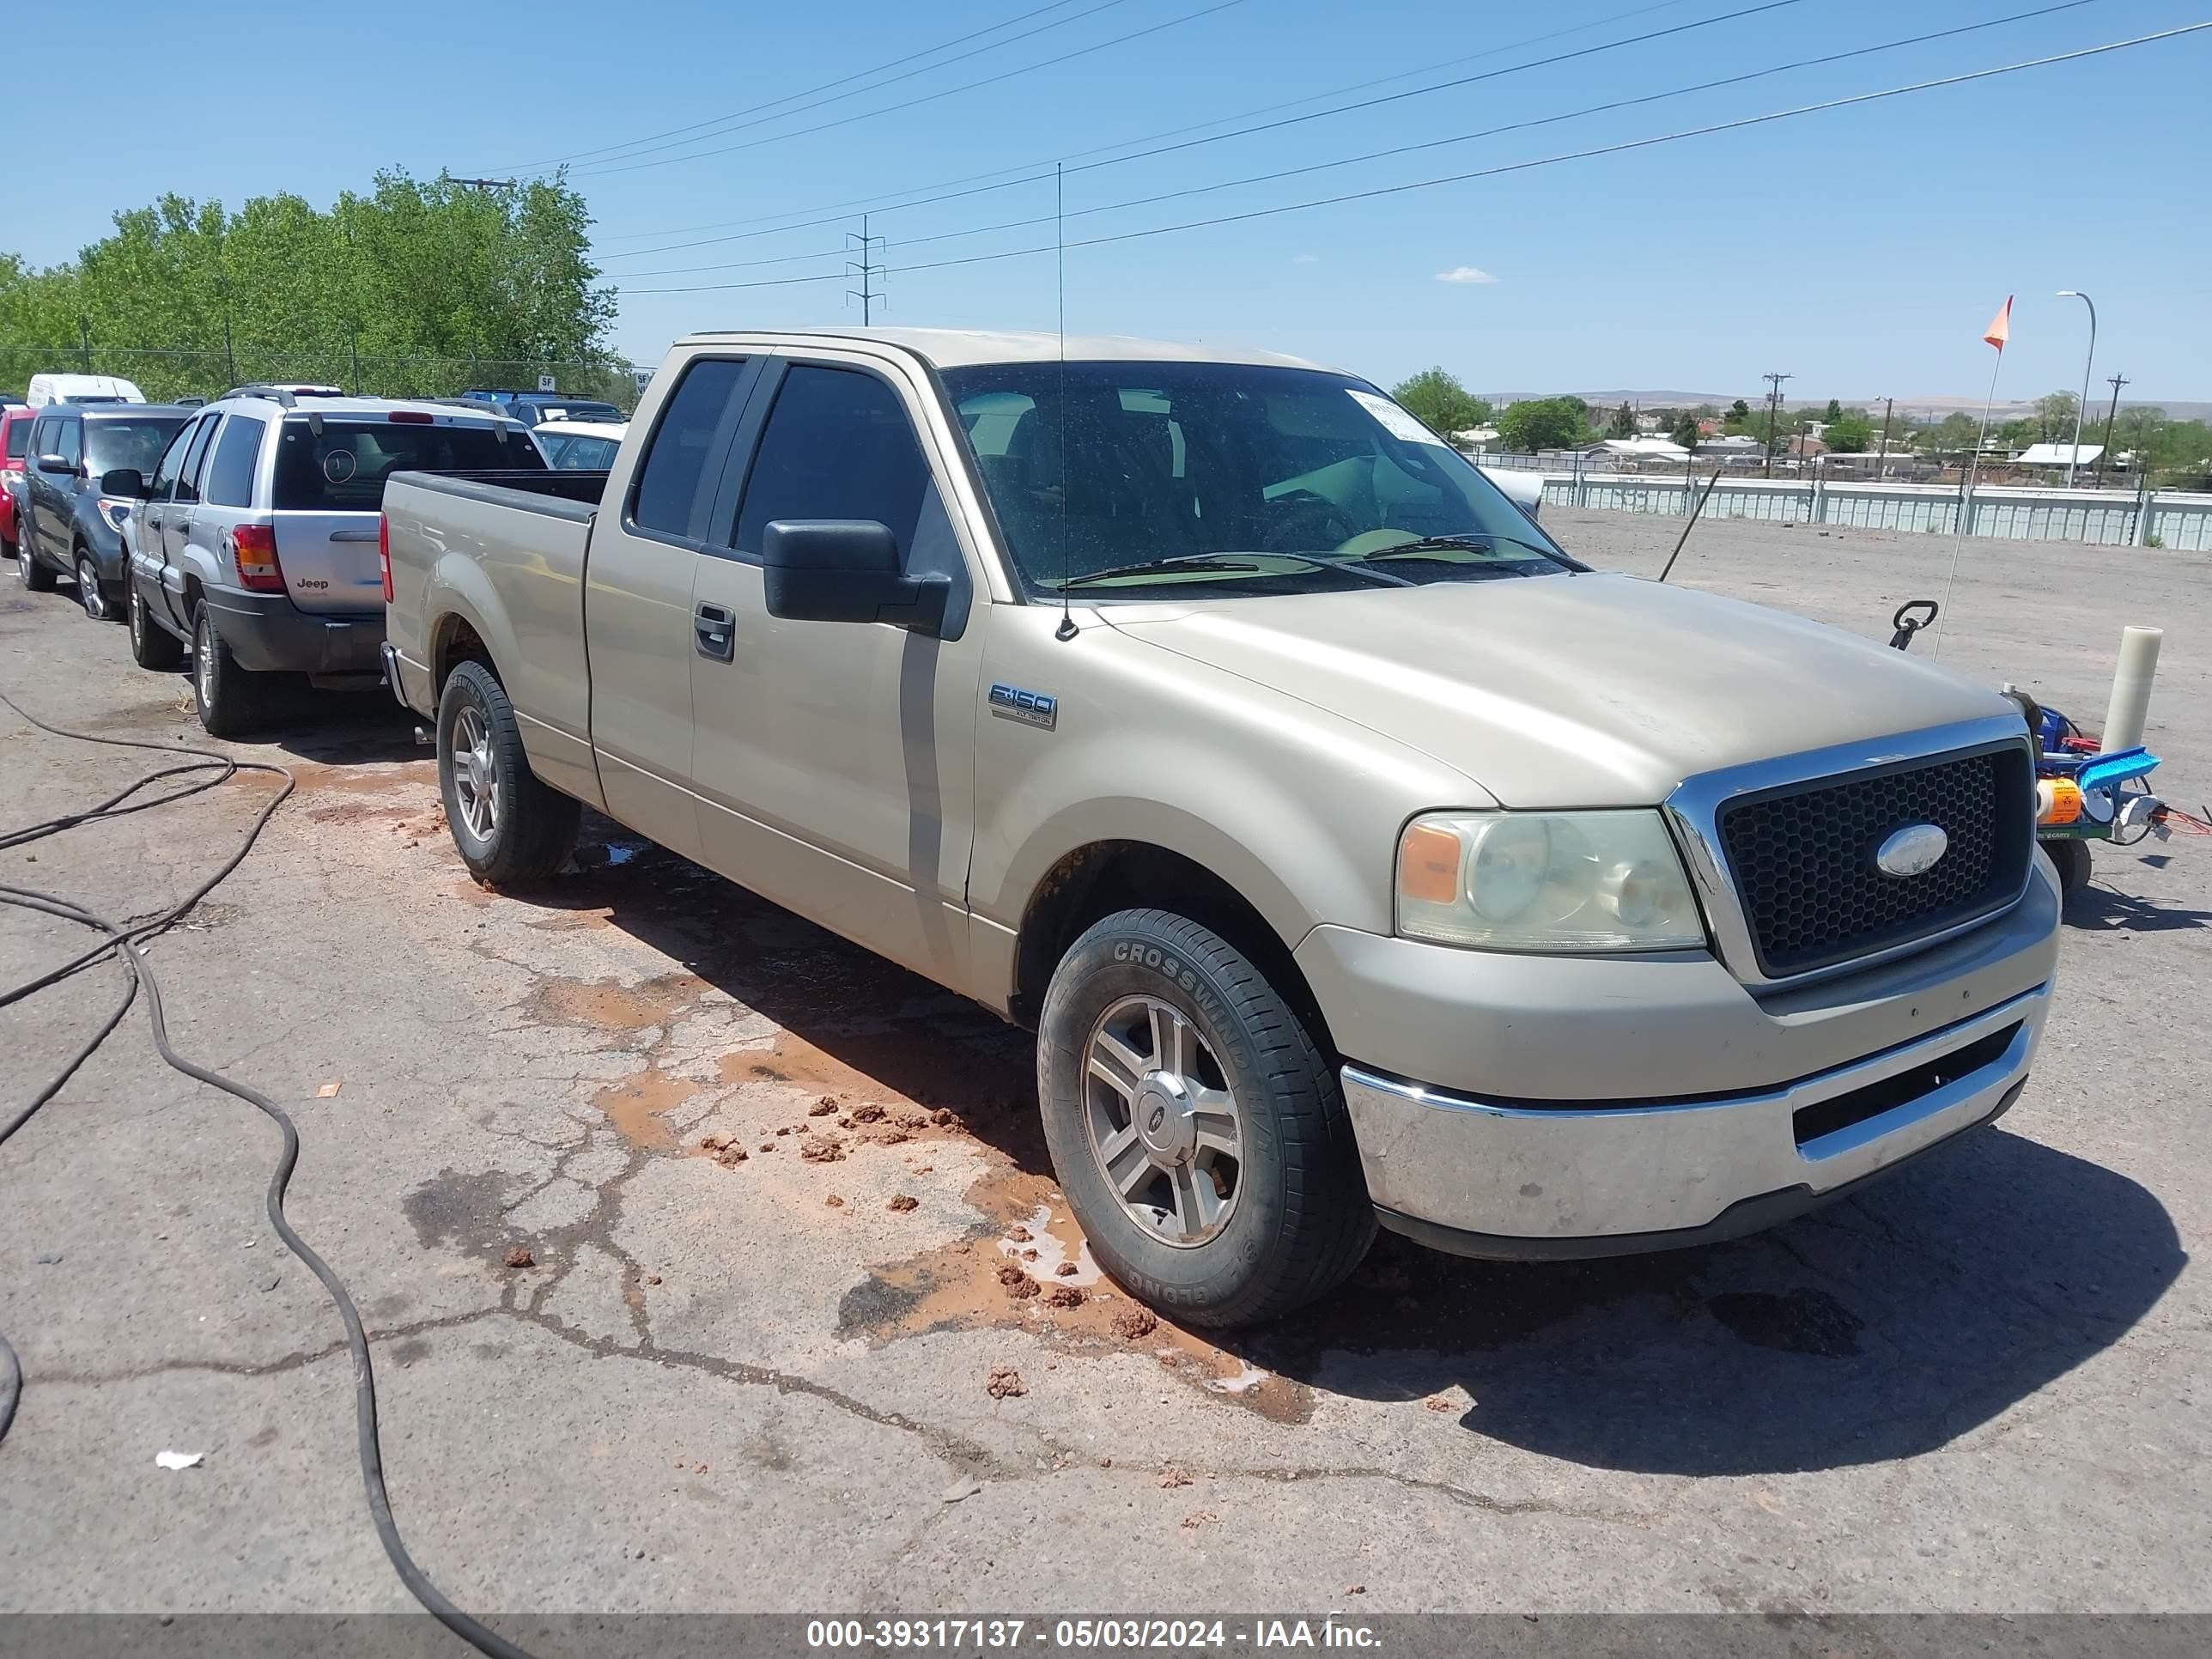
<point>2123,716</point>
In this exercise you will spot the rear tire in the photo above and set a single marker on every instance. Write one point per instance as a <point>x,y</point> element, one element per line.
<point>511,830</point>
<point>33,574</point>
<point>152,646</point>
<point>1283,1217</point>
<point>232,700</point>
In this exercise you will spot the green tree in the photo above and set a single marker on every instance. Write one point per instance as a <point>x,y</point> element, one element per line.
<point>1437,400</point>
<point>280,289</point>
<point>1739,412</point>
<point>2054,417</point>
<point>1539,423</point>
<point>1834,412</point>
<point>1954,432</point>
<point>1850,434</point>
<point>1623,422</point>
<point>1685,431</point>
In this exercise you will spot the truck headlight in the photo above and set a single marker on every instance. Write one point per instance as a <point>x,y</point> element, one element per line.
<point>1546,881</point>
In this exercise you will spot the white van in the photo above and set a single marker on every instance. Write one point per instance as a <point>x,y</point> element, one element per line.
<point>80,389</point>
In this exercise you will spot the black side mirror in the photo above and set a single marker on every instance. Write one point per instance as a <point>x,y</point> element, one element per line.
<point>127,483</point>
<point>61,466</point>
<point>846,570</point>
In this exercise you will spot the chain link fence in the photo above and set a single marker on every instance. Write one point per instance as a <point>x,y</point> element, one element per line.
<point>165,374</point>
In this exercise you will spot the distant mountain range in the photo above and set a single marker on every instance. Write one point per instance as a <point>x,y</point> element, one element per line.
<point>1921,408</point>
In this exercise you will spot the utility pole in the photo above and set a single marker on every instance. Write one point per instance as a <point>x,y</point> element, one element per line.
<point>865,268</point>
<point>2112,413</point>
<point>84,341</point>
<point>486,184</point>
<point>1773,408</point>
<point>1882,463</point>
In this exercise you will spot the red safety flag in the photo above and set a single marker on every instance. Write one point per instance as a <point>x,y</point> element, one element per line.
<point>2000,329</point>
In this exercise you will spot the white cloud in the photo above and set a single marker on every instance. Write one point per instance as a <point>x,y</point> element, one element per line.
<point>1307,259</point>
<point>1465,274</point>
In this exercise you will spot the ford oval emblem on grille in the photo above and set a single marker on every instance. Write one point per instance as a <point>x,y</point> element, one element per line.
<point>1912,851</point>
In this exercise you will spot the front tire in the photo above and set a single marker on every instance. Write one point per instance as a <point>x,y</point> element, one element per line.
<point>91,592</point>
<point>1195,1125</point>
<point>29,571</point>
<point>511,828</point>
<point>152,646</point>
<point>2072,861</point>
<point>232,700</point>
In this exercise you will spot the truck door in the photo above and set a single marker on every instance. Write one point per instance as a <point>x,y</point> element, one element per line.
<point>637,602</point>
<point>179,512</point>
<point>834,762</point>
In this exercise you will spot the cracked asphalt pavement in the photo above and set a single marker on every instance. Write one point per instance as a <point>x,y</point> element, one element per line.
<point>623,1371</point>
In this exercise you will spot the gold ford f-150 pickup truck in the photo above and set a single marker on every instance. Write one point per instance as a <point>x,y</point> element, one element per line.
<point>1357,854</point>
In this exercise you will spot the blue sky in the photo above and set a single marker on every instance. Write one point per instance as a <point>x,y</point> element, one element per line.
<point>1862,249</point>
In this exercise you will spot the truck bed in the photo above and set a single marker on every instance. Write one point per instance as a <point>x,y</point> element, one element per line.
<point>505,551</point>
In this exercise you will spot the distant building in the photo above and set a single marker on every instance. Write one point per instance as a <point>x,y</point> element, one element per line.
<point>1639,449</point>
<point>2058,455</point>
<point>1805,444</point>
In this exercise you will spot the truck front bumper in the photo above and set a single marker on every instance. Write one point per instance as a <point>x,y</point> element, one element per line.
<point>1681,1110</point>
<point>266,632</point>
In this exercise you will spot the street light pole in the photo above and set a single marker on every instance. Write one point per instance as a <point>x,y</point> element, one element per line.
<point>2081,409</point>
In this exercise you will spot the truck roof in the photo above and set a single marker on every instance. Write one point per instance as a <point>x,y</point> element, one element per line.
<point>957,348</point>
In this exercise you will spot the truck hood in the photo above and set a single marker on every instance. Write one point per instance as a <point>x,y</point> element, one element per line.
<point>1559,691</point>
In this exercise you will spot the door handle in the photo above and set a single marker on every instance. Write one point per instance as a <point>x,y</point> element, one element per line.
<point>714,632</point>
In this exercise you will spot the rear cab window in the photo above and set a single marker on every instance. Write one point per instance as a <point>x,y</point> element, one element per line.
<point>675,491</point>
<point>343,468</point>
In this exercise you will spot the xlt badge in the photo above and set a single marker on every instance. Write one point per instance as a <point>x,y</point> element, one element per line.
<point>1031,708</point>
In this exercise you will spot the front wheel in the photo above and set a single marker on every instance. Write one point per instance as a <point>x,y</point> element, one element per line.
<point>1196,1127</point>
<point>91,594</point>
<point>2071,859</point>
<point>510,828</point>
<point>152,646</point>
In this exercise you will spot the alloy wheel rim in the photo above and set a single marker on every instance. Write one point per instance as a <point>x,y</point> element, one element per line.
<point>476,774</point>
<point>203,663</point>
<point>1162,1120</point>
<point>87,591</point>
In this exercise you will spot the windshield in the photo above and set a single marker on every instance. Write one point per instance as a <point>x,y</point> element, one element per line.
<point>1219,466</point>
<point>342,469</point>
<point>139,443</point>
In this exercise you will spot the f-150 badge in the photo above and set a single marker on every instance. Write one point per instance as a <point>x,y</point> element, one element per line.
<point>1031,708</point>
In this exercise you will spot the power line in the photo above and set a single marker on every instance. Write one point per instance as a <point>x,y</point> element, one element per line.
<point>1341,109</point>
<point>1737,125</point>
<point>843,80</point>
<point>887,202</point>
<point>1405,149</point>
<point>598,170</point>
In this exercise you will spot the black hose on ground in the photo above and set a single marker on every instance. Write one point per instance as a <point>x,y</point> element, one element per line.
<point>125,943</point>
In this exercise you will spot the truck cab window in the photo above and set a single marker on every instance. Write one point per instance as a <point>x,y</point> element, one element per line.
<point>674,487</point>
<point>837,445</point>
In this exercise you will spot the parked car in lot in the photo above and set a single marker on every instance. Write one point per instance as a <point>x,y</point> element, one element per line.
<point>580,446</point>
<point>67,520</point>
<point>255,537</point>
<point>1357,854</point>
<point>80,389</point>
<point>14,440</point>
<point>531,407</point>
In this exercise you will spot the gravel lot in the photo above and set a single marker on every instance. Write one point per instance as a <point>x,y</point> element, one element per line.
<point>764,1384</point>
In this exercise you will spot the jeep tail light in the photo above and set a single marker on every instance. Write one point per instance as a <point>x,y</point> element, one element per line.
<point>254,546</point>
<point>384,554</point>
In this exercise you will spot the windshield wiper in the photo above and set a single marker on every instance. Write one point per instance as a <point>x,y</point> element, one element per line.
<point>1236,563</point>
<point>1463,540</point>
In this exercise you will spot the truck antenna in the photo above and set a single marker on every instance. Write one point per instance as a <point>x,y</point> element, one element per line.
<point>1066,630</point>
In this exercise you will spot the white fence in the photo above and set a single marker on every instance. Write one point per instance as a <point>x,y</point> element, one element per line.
<point>2172,519</point>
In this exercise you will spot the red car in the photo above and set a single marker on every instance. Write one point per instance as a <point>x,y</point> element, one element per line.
<point>14,436</point>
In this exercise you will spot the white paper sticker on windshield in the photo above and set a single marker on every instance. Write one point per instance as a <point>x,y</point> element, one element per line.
<point>1396,421</point>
